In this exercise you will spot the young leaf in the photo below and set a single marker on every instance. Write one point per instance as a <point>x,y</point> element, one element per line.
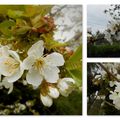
<point>15,13</point>
<point>5,27</point>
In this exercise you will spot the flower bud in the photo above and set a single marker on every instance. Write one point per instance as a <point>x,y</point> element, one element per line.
<point>65,86</point>
<point>46,100</point>
<point>53,92</point>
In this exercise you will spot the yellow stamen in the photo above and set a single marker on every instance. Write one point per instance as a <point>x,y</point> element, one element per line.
<point>11,64</point>
<point>39,63</point>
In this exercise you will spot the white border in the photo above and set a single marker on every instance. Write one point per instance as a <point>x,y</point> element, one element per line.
<point>85,2</point>
<point>85,59</point>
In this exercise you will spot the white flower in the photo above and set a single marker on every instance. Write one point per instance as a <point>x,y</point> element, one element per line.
<point>118,76</point>
<point>112,83</point>
<point>65,86</point>
<point>7,85</point>
<point>41,67</point>
<point>117,103</point>
<point>47,99</point>
<point>116,99</point>
<point>117,88</point>
<point>10,64</point>
<point>113,96</point>
<point>113,26</point>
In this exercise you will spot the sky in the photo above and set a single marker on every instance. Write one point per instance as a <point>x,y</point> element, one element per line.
<point>96,18</point>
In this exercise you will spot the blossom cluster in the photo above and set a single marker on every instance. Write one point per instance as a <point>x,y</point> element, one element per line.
<point>112,69</point>
<point>42,71</point>
<point>68,21</point>
<point>112,33</point>
<point>99,73</point>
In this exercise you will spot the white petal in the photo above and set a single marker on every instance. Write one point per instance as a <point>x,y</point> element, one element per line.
<point>54,59</point>
<point>4,51</point>
<point>14,55</point>
<point>36,49</point>
<point>69,80</point>
<point>62,85</point>
<point>33,77</point>
<point>111,83</point>
<point>53,92</point>
<point>51,74</point>
<point>17,75</point>
<point>46,100</point>
<point>113,96</point>
<point>28,62</point>
<point>10,89</point>
<point>7,85</point>
<point>64,93</point>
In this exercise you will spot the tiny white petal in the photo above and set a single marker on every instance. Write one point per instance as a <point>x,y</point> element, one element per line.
<point>53,92</point>
<point>11,88</point>
<point>55,59</point>
<point>34,77</point>
<point>112,83</point>
<point>7,85</point>
<point>46,100</point>
<point>4,51</point>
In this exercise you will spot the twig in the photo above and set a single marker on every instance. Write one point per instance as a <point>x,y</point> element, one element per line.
<point>109,103</point>
<point>108,72</point>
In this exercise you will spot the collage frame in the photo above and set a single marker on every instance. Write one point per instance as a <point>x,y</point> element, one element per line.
<point>85,59</point>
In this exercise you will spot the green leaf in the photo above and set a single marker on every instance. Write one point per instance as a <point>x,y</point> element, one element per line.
<point>4,8</point>
<point>15,13</point>
<point>32,10</point>
<point>74,66</point>
<point>77,76</point>
<point>71,105</point>
<point>21,30</point>
<point>36,22</point>
<point>5,27</point>
<point>7,24</point>
<point>77,55</point>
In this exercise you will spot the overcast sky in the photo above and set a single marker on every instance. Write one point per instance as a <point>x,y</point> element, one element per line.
<point>96,18</point>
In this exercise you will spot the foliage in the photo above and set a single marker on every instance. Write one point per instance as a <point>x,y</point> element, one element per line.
<point>74,66</point>
<point>103,50</point>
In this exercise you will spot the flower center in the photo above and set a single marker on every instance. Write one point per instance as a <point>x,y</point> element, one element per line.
<point>11,64</point>
<point>39,63</point>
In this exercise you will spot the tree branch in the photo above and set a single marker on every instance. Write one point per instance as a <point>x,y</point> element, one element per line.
<point>101,65</point>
